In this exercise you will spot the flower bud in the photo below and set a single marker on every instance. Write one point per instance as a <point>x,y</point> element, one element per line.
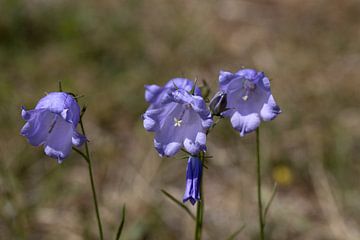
<point>218,103</point>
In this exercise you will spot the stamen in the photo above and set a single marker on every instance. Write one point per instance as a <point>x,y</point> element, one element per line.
<point>248,87</point>
<point>52,126</point>
<point>177,122</point>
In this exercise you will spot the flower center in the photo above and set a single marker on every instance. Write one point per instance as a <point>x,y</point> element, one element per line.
<point>178,121</point>
<point>248,87</point>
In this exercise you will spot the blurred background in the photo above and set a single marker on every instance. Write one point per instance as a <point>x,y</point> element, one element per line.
<point>107,50</point>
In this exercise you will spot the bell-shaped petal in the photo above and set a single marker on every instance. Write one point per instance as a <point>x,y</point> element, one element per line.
<point>37,127</point>
<point>59,141</point>
<point>61,103</point>
<point>53,124</point>
<point>249,99</point>
<point>157,95</point>
<point>193,180</point>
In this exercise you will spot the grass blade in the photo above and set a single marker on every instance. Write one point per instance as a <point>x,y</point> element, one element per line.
<point>118,234</point>
<point>271,200</point>
<point>233,236</point>
<point>180,204</point>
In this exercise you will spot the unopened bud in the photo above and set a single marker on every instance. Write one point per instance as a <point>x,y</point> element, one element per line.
<point>218,103</point>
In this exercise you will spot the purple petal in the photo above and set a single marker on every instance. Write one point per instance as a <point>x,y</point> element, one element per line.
<point>269,110</point>
<point>78,139</point>
<point>37,128</point>
<point>201,138</point>
<point>182,83</point>
<point>192,147</point>
<point>149,123</point>
<point>171,149</point>
<point>193,180</point>
<point>225,77</point>
<point>57,102</point>
<point>247,73</point>
<point>59,142</point>
<point>152,92</point>
<point>245,124</point>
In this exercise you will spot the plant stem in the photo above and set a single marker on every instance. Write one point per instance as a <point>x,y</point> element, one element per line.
<point>88,160</point>
<point>200,205</point>
<point>261,220</point>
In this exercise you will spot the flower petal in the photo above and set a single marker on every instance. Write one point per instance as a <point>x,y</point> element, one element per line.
<point>149,123</point>
<point>59,142</point>
<point>152,92</point>
<point>201,138</point>
<point>57,102</point>
<point>38,126</point>
<point>225,77</point>
<point>192,147</point>
<point>182,83</point>
<point>269,110</point>
<point>193,178</point>
<point>78,139</point>
<point>247,73</point>
<point>171,149</point>
<point>245,124</point>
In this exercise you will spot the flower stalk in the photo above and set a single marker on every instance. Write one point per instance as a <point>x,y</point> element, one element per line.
<point>258,173</point>
<point>200,206</point>
<point>87,158</point>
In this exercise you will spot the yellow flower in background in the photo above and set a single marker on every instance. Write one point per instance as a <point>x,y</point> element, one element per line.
<point>283,175</point>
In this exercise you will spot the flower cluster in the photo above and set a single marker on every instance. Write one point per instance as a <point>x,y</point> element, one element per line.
<point>180,118</point>
<point>177,114</point>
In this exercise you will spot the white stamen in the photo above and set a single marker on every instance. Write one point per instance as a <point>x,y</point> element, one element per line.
<point>248,87</point>
<point>177,122</point>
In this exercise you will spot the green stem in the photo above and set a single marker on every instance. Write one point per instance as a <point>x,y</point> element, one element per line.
<point>86,156</point>
<point>261,220</point>
<point>200,205</point>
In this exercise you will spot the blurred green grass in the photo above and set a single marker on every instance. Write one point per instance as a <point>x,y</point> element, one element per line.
<point>108,50</point>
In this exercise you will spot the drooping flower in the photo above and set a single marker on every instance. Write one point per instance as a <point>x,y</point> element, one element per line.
<point>193,180</point>
<point>155,94</point>
<point>180,119</point>
<point>53,124</point>
<point>249,99</point>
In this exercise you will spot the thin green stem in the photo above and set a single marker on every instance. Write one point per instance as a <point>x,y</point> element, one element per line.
<point>261,219</point>
<point>200,206</point>
<point>86,156</point>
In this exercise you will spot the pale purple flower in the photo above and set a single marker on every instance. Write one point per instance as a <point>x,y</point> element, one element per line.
<point>179,120</point>
<point>249,99</point>
<point>53,124</point>
<point>193,180</point>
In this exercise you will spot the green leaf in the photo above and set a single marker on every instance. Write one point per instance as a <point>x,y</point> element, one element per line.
<point>118,234</point>
<point>180,204</point>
